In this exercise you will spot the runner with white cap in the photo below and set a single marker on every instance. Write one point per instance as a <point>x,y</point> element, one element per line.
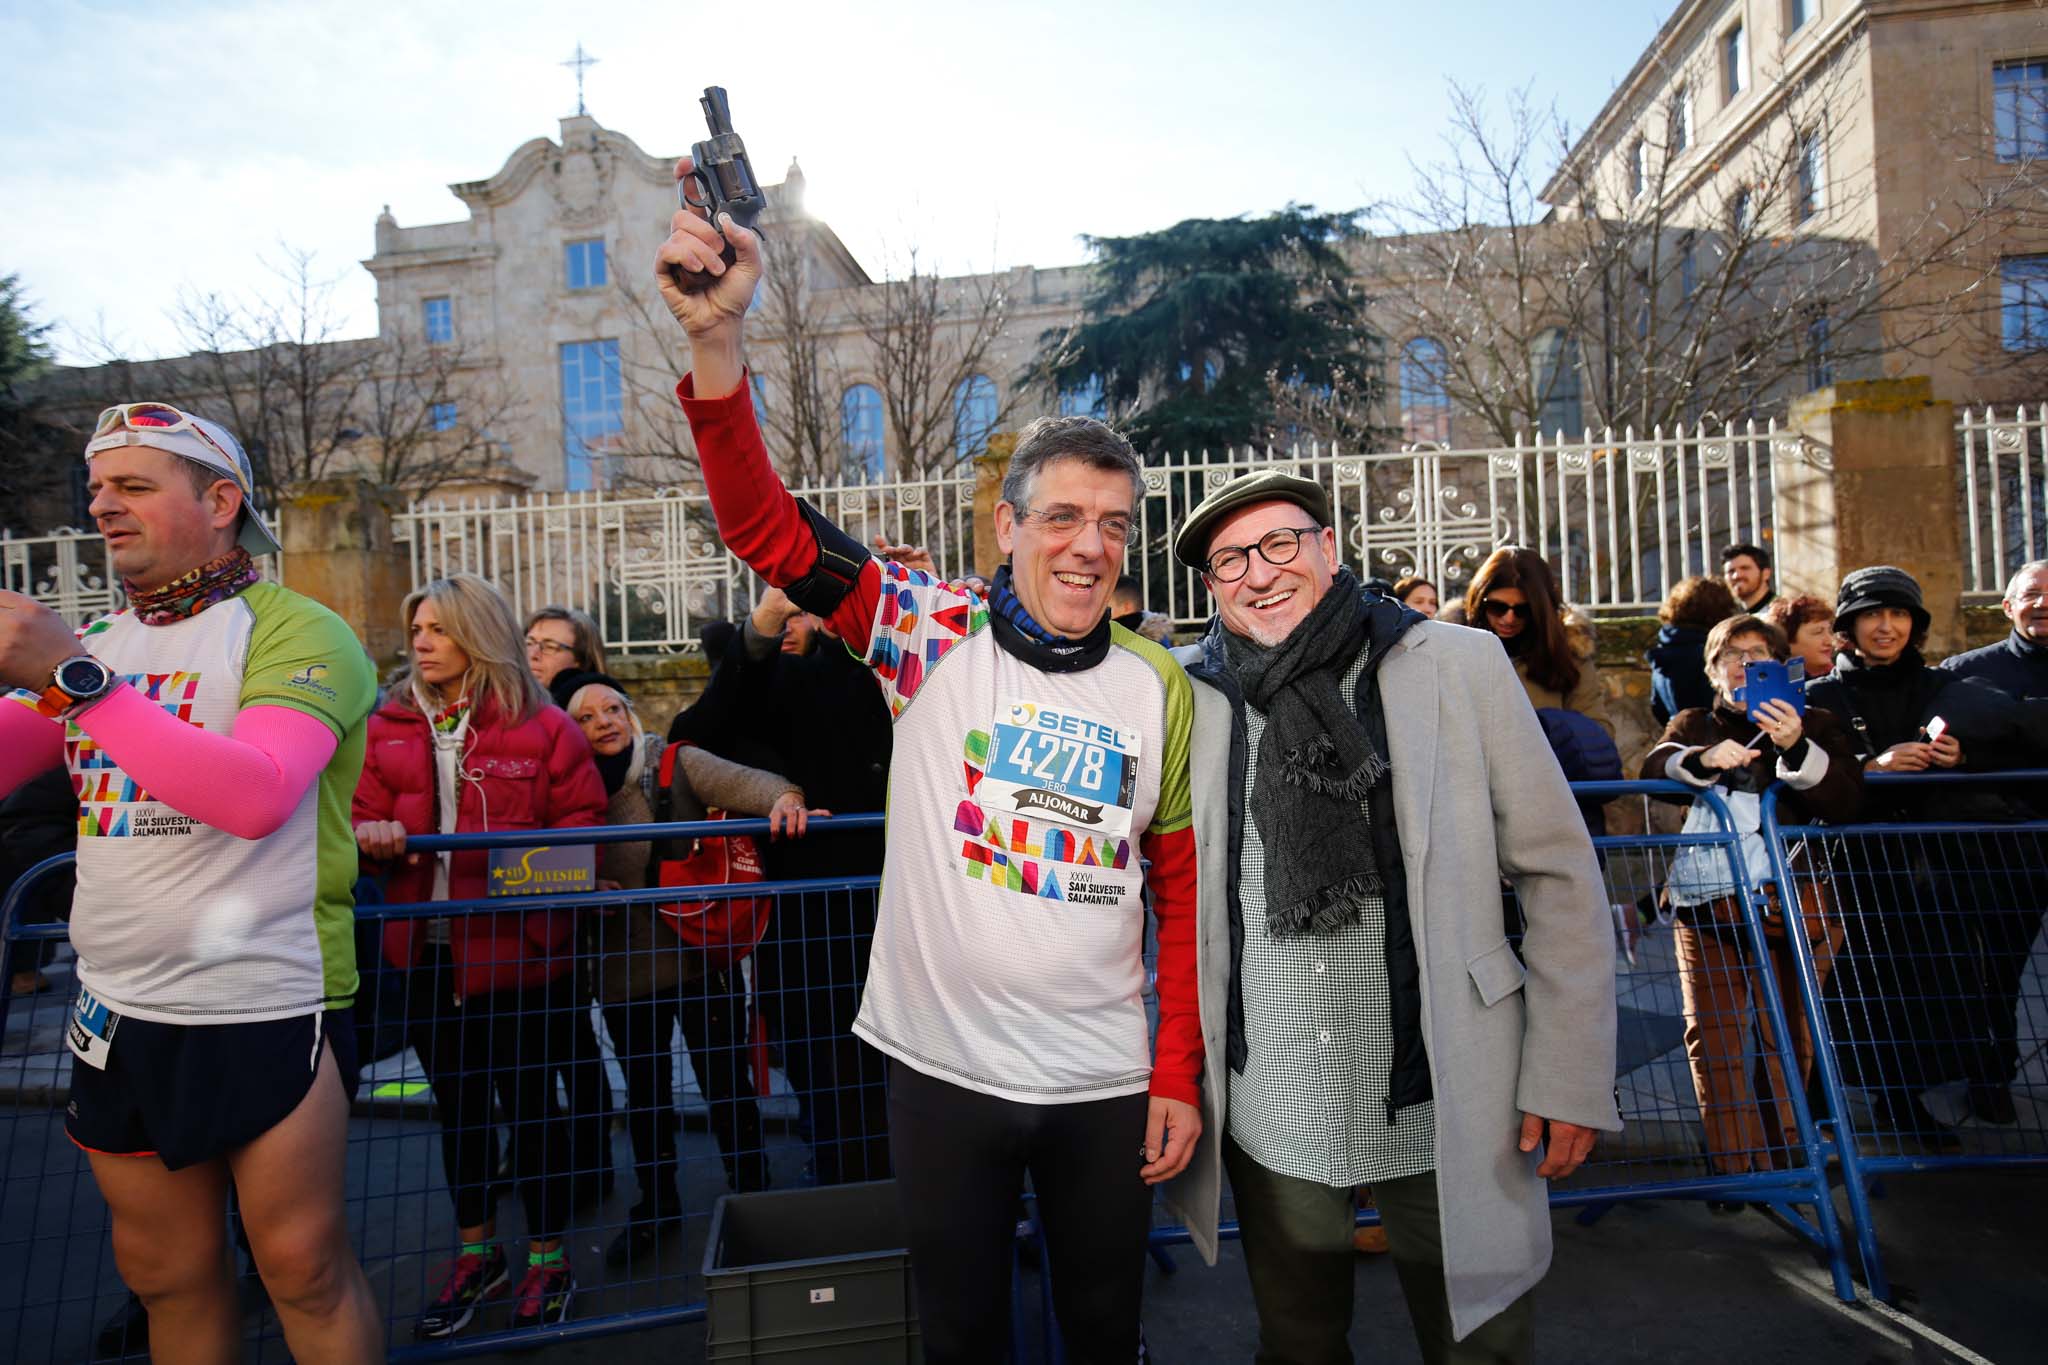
<point>214,731</point>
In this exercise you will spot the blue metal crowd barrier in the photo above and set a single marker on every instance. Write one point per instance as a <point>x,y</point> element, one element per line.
<point>1931,1026</point>
<point>812,1098</point>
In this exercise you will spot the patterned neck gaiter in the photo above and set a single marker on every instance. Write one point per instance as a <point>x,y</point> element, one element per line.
<point>192,593</point>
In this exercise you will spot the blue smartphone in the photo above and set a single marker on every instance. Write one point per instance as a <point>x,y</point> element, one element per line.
<point>1768,680</point>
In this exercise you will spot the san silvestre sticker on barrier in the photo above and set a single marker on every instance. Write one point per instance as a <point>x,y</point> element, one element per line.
<point>545,870</point>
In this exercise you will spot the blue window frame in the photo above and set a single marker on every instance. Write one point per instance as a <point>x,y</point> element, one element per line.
<point>1734,61</point>
<point>593,408</point>
<point>1425,405</point>
<point>1560,408</point>
<point>1678,132</point>
<point>1085,399</point>
<point>2023,299</point>
<point>1820,363</point>
<point>583,264</point>
<point>860,430</point>
<point>443,415</point>
<point>2019,98</point>
<point>1797,12</point>
<point>437,320</point>
<point>974,415</point>
<point>1813,174</point>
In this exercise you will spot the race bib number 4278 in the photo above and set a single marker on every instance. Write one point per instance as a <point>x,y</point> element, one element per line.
<point>1063,767</point>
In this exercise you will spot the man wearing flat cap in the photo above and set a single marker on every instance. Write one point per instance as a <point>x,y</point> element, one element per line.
<point>1363,779</point>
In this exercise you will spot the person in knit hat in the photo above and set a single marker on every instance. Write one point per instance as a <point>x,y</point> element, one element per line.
<point>1902,990</point>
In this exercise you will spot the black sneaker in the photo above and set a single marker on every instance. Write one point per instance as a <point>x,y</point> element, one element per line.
<point>471,1280</point>
<point>126,1333</point>
<point>643,1237</point>
<point>542,1299</point>
<point>1993,1104</point>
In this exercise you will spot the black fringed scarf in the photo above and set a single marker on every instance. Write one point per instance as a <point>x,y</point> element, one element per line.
<point>1316,767</point>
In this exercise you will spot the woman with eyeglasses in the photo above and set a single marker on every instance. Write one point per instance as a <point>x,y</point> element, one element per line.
<point>561,640</point>
<point>1514,596</point>
<point>1742,752</point>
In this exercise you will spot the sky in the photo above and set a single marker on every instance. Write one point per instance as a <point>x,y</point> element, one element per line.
<point>153,150</point>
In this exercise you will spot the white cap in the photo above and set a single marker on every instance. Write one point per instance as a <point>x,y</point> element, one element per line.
<point>217,449</point>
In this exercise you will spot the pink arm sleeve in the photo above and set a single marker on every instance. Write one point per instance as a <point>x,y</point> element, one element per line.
<point>30,743</point>
<point>247,783</point>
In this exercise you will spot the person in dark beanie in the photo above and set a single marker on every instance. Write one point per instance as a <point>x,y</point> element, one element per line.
<point>1904,992</point>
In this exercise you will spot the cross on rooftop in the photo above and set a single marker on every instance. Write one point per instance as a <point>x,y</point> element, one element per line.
<point>581,61</point>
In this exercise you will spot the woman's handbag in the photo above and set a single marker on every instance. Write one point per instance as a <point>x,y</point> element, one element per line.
<point>723,929</point>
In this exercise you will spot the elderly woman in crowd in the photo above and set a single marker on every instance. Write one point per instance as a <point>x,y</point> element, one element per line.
<point>1809,626</point>
<point>649,979</point>
<point>469,742</point>
<point>1741,752</point>
<point>1679,676</point>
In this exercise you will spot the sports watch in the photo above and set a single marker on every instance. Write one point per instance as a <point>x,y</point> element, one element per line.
<point>79,679</point>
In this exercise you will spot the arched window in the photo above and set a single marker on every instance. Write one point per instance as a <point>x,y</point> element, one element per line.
<point>1556,358</point>
<point>1085,399</point>
<point>860,430</point>
<point>1425,406</point>
<point>974,415</point>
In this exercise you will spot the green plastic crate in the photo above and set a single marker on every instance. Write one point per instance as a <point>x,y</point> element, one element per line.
<point>817,1276</point>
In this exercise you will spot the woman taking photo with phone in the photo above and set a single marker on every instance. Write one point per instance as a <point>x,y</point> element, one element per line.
<point>1741,751</point>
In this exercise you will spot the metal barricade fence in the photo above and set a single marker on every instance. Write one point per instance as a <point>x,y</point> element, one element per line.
<point>1679,990</point>
<point>514,1075</point>
<point>445,1131</point>
<point>1931,1025</point>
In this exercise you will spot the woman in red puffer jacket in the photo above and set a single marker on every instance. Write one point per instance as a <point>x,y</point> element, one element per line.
<point>469,742</point>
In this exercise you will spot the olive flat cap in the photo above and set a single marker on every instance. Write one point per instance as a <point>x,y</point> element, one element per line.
<point>1191,546</point>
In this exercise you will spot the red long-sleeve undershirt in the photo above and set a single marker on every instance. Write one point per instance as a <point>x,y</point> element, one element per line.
<point>758,520</point>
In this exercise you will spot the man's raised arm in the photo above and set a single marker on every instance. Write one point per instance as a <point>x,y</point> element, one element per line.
<point>790,544</point>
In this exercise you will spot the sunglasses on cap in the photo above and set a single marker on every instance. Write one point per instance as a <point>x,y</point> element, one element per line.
<point>156,417</point>
<point>1503,610</point>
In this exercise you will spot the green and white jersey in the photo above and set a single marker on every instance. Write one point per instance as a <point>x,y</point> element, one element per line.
<point>177,921</point>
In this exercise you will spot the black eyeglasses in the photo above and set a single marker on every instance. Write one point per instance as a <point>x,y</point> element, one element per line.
<point>1503,610</point>
<point>1233,562</point>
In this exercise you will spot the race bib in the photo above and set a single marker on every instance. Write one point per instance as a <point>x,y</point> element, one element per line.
<point>1062,767</point>
<point>91,1030</point>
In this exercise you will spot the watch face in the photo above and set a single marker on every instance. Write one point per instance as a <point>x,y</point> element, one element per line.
<point>82,677</point>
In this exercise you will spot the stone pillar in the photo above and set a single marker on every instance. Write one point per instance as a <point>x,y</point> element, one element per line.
<point>338,550</point>
<point>988,491</point>
<point>1873,483</point>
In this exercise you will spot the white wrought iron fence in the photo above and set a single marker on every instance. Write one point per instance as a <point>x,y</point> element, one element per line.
<point>1620,517</point>
<point>652,568</point>
<point>2005,494</point>
<point>66,570</point>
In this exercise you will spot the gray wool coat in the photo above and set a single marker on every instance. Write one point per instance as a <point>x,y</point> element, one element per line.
<point>1477,796</point>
